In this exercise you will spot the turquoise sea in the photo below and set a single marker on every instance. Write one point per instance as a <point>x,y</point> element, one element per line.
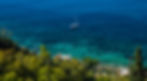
<point>108,30</point>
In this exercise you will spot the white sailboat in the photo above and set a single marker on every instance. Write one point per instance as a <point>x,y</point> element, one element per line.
<point>74,25</point>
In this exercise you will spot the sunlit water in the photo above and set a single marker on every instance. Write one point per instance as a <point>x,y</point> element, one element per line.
<point>106,30</point>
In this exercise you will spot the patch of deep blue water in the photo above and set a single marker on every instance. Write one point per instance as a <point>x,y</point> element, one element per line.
<point>109,42</point>
<point>108,30</point>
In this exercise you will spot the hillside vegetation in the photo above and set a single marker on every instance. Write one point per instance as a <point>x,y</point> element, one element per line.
<point>19,64</point>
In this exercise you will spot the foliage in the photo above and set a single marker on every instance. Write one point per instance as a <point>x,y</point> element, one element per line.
<point>137,69</point>
<point>22,65</point>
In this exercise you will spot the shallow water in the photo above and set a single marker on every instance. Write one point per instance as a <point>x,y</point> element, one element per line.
<point>107,30</point>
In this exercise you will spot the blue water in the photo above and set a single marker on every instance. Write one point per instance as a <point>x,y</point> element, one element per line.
<point>108,30</point>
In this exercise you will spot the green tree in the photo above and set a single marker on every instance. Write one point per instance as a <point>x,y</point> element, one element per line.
<point>44,55</point>
<point>103,78</point>
<point>137,73</point>
<point>11,76</point>
<point>2,58</point>
<point>58,74</point>
<point>29,79</point>
<point>31,63</point>
<point>44,73</point>
<point>90,63</point>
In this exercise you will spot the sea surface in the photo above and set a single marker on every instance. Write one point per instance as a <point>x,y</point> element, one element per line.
<point>108,30</point>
